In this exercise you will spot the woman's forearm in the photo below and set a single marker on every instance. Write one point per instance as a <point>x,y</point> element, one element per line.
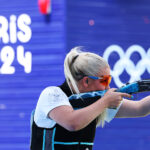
<point>82,117</point>
<point>74,120</point>
<point>144,106</point>
<point>132,109</point>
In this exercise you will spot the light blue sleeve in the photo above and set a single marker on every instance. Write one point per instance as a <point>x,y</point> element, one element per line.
<point>111,113</point>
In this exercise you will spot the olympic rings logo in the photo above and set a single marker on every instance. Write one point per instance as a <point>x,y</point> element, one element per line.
<point>125,62</point>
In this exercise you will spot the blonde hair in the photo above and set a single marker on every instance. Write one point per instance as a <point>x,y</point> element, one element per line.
<point>78,64</point>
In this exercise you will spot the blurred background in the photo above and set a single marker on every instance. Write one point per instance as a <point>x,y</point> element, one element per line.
<point>35,36</point>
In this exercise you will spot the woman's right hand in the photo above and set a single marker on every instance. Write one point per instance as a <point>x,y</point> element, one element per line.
<point>113,99</point>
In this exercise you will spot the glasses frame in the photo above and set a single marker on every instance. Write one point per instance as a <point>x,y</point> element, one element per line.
<point>101,78</point>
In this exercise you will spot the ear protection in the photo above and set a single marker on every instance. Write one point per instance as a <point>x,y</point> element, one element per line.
<point>87,81</point>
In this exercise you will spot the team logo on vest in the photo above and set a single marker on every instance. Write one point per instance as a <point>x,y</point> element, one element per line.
<point>135,71</point>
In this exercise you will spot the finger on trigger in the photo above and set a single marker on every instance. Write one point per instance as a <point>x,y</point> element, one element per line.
<point>126,95</point>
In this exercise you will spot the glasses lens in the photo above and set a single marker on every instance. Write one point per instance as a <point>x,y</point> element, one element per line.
<point>105,80</point>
